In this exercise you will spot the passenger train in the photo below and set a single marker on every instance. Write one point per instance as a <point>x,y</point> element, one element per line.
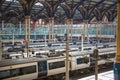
<point>34,68</point>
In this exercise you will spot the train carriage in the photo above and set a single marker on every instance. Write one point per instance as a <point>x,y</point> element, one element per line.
<point>34,68</point>
<point>22,69</point>
<point>56,66</point>
<point>79,60</point>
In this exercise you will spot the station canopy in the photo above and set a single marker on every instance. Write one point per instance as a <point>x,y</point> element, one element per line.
<point>60,10</point>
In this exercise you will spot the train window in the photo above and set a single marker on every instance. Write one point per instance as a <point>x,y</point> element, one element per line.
<point>100,47</point>
<point>106,46</point>
<point>82,60</point>
<point>55,65</point>
<point>102,56</point>
<point>18,43</point>
<point>28,70</point>
<point>4,74</point>
<point>13,57</point>
<point>5,56</point>
<point>111,55</point>
<point>20,57</point>
<point>86,59</point>
<point>87,49</point>
<point>15,72</point>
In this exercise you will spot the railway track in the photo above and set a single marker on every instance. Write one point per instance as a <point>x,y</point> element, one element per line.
<point>90,72</point>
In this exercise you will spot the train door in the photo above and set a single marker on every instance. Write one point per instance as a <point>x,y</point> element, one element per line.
<point>92,61</point>
<point>42,68</point>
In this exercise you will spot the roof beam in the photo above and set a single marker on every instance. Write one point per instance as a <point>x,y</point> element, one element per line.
<point>70,10</point>
<point>97,4</point>
<point>1,2</point>
<point>115,4</point>
<point>6,8</point>
<point>27,5</point>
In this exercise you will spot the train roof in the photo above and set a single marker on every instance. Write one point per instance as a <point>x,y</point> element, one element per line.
<point>9,62</point>
<point>34,59</point>
<point>101,51</point>
<point>18,61</point>
<point>78,53</point>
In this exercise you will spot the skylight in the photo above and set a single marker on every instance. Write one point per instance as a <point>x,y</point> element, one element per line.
<point>12,0</point>
<point>39,4</point>
<point>9,0</point>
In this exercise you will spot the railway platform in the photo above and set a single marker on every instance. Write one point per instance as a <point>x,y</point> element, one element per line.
<point>109,75</point>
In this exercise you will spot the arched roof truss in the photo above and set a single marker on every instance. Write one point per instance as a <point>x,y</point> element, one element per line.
<point>78,10</point>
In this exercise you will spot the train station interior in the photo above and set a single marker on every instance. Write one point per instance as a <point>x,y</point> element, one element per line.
<point>59,39</point>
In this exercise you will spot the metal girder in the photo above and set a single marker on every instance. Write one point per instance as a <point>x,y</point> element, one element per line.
<point>85,11</point>
<point>115,4</point>
<point>20,13</point>
<point>59,17</point>
<point>91,17</point>
<point>98,13</point>
<point>71,8</point>
<point>114,16</point>
<point>51,6</point>
<point>40,10</point>
<point>35,13</point>
<point>1,2</point>
<point>111,15</point>
<point>97,4</point>
<point>8,5</point>
<point>80,3</point>
<point>27,5</point>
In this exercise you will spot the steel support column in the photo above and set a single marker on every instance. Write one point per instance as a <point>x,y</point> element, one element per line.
<point>67,57</point>
<point>0,48</point>
<point>51,29</point>
<point>52,25</point>
<point>97,29</point>
<point>13,38</point>
<point>111,26</point>
<point>20,27</point>
<point>3,24</point>
<point>95,52</point>
<point>100,30</point>
<point>85,31</point>
<point>70,24</point>
<point>82,42</point>
<point>117,58</point>
<point>67,37</point>
<point>27,36</point>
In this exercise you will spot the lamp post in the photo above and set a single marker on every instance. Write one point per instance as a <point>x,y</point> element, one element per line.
<point>95,56</point>
<point>67,57</point>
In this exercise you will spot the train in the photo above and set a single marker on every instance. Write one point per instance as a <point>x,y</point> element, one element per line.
<point>59,51</point>
<point>35,68</point>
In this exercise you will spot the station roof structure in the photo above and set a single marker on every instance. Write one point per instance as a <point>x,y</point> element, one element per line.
<point>78,10</point>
